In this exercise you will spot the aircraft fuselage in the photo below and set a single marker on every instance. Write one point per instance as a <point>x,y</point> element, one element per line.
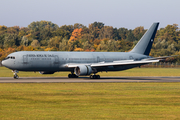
<point>56,61</point>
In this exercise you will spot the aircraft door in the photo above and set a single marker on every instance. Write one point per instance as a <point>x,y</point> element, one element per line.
<point>56,60</point>
<point>98,59</point>
<point>131,57</point>
<point>25,59</point>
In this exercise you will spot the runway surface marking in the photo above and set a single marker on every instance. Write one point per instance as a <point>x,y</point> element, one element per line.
<point>86,79</point>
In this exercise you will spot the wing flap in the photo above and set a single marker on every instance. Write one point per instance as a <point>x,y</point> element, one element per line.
<point>122,63</point>
<point>104,64</point>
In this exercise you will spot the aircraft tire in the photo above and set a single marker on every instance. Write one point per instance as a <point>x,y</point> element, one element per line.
<point>16,76</point>
<point>70,76</point>
<point>94,77</point>
<point>91,76</point>
<point>98,76</point>
<point>74,76</point>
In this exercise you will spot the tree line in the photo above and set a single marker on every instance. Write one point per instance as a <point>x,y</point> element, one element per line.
<point>47,36</point>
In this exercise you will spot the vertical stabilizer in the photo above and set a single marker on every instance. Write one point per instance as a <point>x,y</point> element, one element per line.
<point>145,43</point>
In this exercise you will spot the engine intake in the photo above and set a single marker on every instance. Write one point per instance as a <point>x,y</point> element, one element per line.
<point>83,70</point>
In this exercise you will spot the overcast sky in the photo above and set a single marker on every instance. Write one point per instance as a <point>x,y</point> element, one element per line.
<point>116,13</point>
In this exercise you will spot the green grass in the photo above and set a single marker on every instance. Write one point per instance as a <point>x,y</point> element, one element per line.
<point>4,72</point>
<point>81,101</point>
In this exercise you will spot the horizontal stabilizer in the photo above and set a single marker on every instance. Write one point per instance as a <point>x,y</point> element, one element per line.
<point>160,58</point>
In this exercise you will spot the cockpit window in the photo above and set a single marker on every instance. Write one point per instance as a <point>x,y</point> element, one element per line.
<point>6,58</point>
<point>9,57</point>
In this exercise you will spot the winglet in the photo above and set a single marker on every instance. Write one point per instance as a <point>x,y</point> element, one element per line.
<point>145,43</point>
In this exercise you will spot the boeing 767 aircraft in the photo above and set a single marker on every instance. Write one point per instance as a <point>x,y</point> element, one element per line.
<point>83,63</point>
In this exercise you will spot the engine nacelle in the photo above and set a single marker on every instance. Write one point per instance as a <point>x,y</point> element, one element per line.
<point>83,70</point>
<point>46,72</point>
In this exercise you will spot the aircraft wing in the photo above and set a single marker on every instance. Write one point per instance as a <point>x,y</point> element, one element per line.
<point>115,63</point>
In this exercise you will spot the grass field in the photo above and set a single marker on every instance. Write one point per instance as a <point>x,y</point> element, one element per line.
<point>4,72</point>
<point>81,101</point>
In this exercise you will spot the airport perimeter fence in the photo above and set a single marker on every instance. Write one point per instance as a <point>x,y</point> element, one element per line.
<point>162,65</point>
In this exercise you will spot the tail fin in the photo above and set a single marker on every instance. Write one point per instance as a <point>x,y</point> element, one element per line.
<point>145,43</point>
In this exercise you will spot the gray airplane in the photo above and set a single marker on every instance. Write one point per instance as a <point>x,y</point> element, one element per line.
<point>83,63</point>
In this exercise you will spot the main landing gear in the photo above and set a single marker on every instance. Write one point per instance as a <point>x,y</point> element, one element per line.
<point>94,76</point>
<point>72,76</point>
<point>15,74</point>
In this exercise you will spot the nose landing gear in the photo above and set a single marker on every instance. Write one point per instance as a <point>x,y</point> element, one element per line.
<point>15,74</point>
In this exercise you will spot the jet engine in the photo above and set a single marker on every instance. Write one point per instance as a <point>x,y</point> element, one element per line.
<point>83,70</point>
<point>46,72</point>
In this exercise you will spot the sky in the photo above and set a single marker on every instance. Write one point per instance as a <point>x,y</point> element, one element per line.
<point>117,13</point>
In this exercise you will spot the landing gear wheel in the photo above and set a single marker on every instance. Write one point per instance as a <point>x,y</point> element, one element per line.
<point>94,76</point>
<point>72,76</point>
<point>91,76</point>
<point>16,76</point>
<point>98,76</point>
<point>75,76</point>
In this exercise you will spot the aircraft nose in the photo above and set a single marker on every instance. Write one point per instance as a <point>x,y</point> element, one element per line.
<point>3,63</point>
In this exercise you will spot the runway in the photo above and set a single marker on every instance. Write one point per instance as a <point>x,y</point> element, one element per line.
<point>87,80</point>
